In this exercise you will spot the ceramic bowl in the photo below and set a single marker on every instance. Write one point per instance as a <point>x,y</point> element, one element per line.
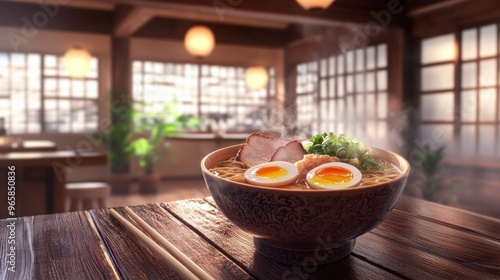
<point>290,226</point>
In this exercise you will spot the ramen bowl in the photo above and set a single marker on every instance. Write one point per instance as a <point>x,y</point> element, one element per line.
<point>292,225</point>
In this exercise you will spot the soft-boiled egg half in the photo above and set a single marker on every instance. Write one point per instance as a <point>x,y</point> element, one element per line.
<point>334,175</point>
<point>272,174</point>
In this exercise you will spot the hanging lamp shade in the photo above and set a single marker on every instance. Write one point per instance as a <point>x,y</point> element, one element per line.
<point>257,77</point>
<point>315,4</point>
<point>76,61</point>
<point>199,41</point>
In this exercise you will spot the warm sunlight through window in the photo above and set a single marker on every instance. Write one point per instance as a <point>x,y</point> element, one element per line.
<point>462,106</point>
<point>217,94</point>
<point>346,93</point>
<point>480,123</point>
<point>37,96</point>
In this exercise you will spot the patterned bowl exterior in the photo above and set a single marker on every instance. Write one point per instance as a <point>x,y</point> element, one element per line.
<point>301,219</point>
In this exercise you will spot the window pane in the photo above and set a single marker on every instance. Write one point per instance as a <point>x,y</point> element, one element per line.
<point>360,83</point>
<point>488,72</point>
<point>382,80</point>
<point>438,77</point>
<point>370,58</point>
<point>382,105</point>
<point>360,60</point>
<point>440,134</point>
<point>468,140</point>
<point>437,107</point>
<point>332,65</point>
<point>340,64</point>
<point>469,75</point>
<point>469,106</point>
<point>350,61</point>
<point>350,84</point>
<point>382,56</point>
<point>370,82</point>
<point>486,143</point>
<point>488,40</point>
<point>487,105</point>
<point>324,67</point>
<point>370,106</point>
<point>438,49</point>
<point>469,44</point>
<point>340,87</point>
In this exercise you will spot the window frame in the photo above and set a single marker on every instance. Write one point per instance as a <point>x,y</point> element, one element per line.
<point>270,91</point>
<point>42,95</point>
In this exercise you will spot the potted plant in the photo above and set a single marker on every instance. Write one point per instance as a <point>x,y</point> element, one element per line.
<point>154,128</point>
<point>430,181</point>
<point>117,144</point>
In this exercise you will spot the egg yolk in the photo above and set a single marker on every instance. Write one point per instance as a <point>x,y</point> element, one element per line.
<point>332,175</point>
<point>271,172</point>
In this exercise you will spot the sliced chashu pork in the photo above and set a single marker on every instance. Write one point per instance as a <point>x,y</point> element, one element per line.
<point>260,149</point>
<point>290,152</point>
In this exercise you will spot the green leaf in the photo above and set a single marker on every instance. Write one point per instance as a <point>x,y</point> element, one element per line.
<point>349,151</point>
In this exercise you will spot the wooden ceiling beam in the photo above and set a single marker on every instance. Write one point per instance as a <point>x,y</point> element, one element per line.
<point>129,19</point>
<point>171,29</point>
<point>426,7</point>
<point>32,18</point>
<point>280,11</point>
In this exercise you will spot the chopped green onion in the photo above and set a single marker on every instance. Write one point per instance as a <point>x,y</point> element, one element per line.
<point>349,151</point>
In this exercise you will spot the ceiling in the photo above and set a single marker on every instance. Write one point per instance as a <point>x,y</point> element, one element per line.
<point>255,19</point>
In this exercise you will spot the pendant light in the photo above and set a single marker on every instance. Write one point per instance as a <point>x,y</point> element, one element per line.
<point>76,61</point>
<point>315,4</point>
<point>199,41</point>
<point>257,77</point>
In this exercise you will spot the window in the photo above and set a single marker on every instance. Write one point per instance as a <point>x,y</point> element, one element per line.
<point>459,91</point>
<point>479,119</point>
<point>346,93</point>
<point>216,94</point>
<point>437,87</point>
<point>36,95</point>
<point>307,91</point>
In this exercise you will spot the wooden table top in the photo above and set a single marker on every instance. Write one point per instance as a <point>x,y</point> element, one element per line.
<point>30,146</point>
<point>419,240</point>
<point>63,158</point>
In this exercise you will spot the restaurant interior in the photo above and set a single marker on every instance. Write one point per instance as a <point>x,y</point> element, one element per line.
<point>118,101</point>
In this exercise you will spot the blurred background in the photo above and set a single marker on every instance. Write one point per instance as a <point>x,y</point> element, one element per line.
<point>158,84</point>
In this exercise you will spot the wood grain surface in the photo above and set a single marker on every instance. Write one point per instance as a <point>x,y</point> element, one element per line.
<point>137,262</point>
<point>59,246</point>
<point>419,240</point>
<point>209,222</point>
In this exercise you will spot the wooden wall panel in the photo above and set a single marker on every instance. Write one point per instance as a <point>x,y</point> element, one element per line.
<point>458,16</point>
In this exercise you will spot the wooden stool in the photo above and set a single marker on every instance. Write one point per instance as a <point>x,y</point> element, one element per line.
<point>87,192</point>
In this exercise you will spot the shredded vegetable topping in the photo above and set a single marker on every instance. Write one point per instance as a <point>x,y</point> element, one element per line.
<point>353,152</point>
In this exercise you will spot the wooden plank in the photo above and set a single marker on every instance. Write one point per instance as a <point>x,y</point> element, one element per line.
<point>453,217</point>
<point>135,261</point>
<point>461,15</point>
<point>30,189</point>
<point>129,21</point>
<point>209,222</point>
<point>470,252</point>
<point>61,246</point>
<point>280,10</point>
<point>417,8</point>
<point>411,262</point>
<point>224,34</point>
<point>32,17</point>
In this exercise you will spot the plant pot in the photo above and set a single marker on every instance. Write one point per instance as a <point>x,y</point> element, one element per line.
<point>120,183</point>
<point>149,183</point>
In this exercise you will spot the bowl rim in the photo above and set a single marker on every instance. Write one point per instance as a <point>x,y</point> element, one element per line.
<point>399,157</point>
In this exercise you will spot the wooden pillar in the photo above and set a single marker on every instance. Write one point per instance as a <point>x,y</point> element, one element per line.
<point>411,87</point>
<point>121,97</point>
<point>121,67</point>
<point>290,118</point>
